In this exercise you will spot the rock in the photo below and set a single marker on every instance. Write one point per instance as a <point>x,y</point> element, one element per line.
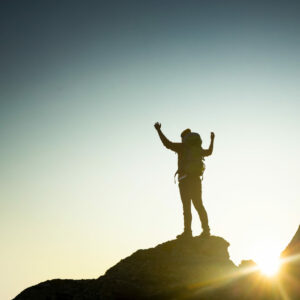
<point>293,247</point>
<point>291,267</point>
<point>175,269</point>
<point>190,269</point>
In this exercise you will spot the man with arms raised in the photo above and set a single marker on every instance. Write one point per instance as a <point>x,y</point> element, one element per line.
<point>190,169</point>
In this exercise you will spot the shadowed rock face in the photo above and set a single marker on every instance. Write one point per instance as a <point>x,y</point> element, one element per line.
<point>291,268</point>
<point>175,269</point>
<point>293,247</point>
<point>197,268</point>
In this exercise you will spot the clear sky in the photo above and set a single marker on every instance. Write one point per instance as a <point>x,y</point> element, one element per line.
<point>84,179</point>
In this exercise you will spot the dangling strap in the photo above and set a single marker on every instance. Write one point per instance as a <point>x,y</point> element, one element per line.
<point>175,176</point>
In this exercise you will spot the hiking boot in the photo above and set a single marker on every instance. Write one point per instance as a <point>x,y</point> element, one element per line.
<point>185,235</point>
<point>205,234</point>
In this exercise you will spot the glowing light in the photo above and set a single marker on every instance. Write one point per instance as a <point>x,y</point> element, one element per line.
<point>268,265</point>
<point>266,254</point>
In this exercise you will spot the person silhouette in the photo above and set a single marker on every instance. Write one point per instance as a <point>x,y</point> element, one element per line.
<point>189,176</point>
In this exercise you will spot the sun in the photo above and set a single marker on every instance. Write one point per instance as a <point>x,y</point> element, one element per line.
<point>269,267</point>
<point>266,254</point>
<point>268,264</point>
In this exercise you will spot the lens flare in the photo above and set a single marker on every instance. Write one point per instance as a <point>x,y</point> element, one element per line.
<point>268,265</point>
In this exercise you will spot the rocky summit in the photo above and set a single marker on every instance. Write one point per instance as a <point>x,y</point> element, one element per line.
<point>192,268</point>
<point>177,269</point>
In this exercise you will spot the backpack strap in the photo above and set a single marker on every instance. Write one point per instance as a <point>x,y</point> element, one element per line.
<point>179,178</point>
<point>175,176</point>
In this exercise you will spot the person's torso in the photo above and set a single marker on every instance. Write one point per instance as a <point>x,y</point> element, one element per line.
<point>181,161</point>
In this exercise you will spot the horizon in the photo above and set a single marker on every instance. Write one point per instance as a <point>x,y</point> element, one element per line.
<point>85,180</point>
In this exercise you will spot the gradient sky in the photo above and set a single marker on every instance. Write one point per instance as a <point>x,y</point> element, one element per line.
<point>84,179</point>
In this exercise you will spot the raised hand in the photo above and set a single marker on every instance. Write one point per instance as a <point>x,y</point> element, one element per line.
<point>157,126</point>
<point>212,135</point>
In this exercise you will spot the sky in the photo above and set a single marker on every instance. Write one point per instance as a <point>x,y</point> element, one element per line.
<point>84,178</point>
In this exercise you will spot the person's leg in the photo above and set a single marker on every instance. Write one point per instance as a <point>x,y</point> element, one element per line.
<point>196,189</point>
<point>186,204</point>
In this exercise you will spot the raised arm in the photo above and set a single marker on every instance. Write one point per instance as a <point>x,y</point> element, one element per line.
<point>168,144</point>
<point>207,152</point>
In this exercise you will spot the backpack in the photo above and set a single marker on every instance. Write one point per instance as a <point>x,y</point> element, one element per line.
<point>193,162</point>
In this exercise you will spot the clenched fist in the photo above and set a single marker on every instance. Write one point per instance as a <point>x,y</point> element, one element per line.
<point>157,126</point>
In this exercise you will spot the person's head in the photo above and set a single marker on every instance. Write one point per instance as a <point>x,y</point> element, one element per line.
<point>185,133</point>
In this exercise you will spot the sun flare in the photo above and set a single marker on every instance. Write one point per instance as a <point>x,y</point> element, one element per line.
<point>269,268</point>
<point>268,265</point>
<point>266,254</point>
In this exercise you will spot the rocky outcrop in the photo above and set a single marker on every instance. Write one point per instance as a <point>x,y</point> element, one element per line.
<point>179,267</point>
<point>176,269</point>
<point>290,277</point>
<point>196,268</point>
<point>293,247</point>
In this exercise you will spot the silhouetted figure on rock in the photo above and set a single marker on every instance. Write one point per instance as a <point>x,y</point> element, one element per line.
<point>190,171</point>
